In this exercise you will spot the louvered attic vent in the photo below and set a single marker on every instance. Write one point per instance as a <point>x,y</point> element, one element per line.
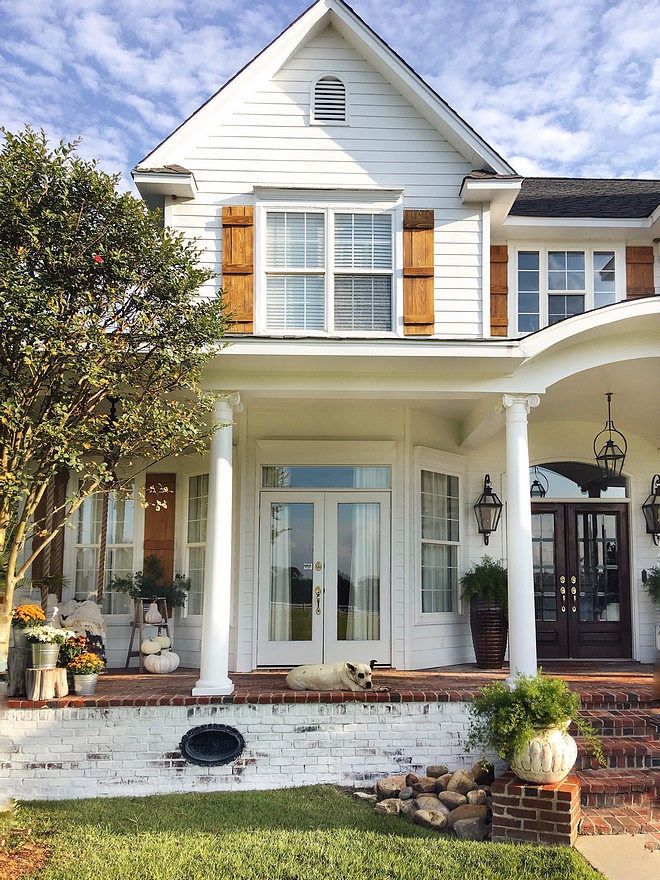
<point>329,100</point>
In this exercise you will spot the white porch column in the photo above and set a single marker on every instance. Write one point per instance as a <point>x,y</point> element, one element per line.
<point>214,666</point>
<point>522,622</point>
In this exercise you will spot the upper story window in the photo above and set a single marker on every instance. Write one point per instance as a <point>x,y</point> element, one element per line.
<point>329,101</point>
<point>555,283</point>
<point>329,271</point>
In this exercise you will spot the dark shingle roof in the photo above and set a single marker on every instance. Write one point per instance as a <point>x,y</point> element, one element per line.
<point>579,197</point>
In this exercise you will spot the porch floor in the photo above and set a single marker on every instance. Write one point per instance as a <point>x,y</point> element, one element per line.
<point>601,682</point>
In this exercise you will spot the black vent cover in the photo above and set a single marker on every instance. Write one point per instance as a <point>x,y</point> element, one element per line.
<point>211,745</point>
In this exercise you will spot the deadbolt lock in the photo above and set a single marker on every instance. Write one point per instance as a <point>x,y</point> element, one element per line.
<point>574,580</point>
<point>562,580</point>
<point>318,566</point>
<point>562,590</point>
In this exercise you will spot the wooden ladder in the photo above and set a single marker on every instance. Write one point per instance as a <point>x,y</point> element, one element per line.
<point>138,624</point>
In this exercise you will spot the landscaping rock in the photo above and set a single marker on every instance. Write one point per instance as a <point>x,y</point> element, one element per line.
<point>430,819</point>
<point>390,787</point>
<point>478,796</point>
<point>442,781</point>
<point>472,829</point>
<point>388,807</point>
<point>363,796</point>
<point>467,811</point>
<point>406,793</point>
<point>453,799</point>
<point>408,808</point>
<point>425,785</point>
<point>437,770</point>
<point>427,802</point>
<point>483,773</point>
<point>411,779</point>
<point>462,782</point>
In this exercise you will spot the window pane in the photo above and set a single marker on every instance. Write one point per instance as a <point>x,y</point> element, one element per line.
<point>89,520</point>
<point>439,507</point>
<point>291,558</point>
<point>566,270</point>
<point>198,502</point>
<point>528,291</point>
<point>528,323</point>
<point>325,477</point>
<point>120,520</point>
<point>196,562</point>
<point>358,572</point>
<point>295,240</point>
<point>561,307</point>
<point>363,241</point>
<point>295,302</point>
<point>439,578</point>
<point>363,302</point>
<point>604,278</point>
<point>528,260</point>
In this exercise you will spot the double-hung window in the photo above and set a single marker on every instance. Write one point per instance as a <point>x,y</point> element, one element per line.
<point>556,283</point>
<point>329,271</point>
<point>198,504</point>
<point>440,542</point>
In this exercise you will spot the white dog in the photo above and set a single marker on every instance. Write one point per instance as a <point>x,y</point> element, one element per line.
<point>331,677</point>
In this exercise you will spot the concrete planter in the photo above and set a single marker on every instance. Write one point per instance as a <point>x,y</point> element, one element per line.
<point>549,757</point>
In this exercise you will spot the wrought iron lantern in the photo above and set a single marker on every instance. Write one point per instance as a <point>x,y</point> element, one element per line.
<point>651,510</point>
<point>487,510</point>
<point>610,448</point>
<point>540,484</point>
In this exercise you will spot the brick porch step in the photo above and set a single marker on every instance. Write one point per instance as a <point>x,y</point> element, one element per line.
<point>642,697</point>
<point>607,789</point>
<point>629,820</point>
<point>619,722</point>
<point>622,752</point>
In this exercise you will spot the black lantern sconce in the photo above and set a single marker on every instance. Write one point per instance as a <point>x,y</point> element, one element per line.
<point>540,485</point>
<point>610,448</point>
<point>651,510</point>
<point>487,510</point>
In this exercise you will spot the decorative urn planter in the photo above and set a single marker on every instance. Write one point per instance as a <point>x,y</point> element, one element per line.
<point>85,685</point>
<point>549,757</point>
<point>489,626</point>
<point>44,655</point>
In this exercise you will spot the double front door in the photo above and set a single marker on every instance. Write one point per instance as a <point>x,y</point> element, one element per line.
<point>324,585</point>
<point>581,580</point>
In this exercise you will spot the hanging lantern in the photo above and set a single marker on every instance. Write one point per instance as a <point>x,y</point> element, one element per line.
<point>610,448</point>
<point>651,510</point>
<point>540,485</point>
<point>487,510</point>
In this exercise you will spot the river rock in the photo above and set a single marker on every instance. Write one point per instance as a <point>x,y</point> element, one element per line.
<point>467,811</point>
<point>483,773</point>
<point>388,807</point>
<point>478,796</point>
<point>427,802</point>
<point>409,807</point>
<point>411,779</point>
<point>452,799</point>
<point>472,829</point>
<point>430,819</point>
<point>390,787</point>
<point>462,782</point>
<point>437,770</point>
<point>442,781</point>
<point>406,793</point>
<point>425,785</point>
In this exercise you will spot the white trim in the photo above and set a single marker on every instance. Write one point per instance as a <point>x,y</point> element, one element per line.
<point>485,273</point>
<point>583,222</point>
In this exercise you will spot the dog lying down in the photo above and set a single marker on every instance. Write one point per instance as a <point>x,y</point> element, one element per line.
<point>331,677</point>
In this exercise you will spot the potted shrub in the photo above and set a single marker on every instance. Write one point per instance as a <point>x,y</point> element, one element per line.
<point>652,584</point>
<point>85,668</point>
<point>485,587</point>
<point>25,617</point>
<point>147,584</point>
<point>527,726</point>
<point>46,642</point>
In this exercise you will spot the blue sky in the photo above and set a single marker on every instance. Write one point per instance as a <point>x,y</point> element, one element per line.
<point>558,87</point>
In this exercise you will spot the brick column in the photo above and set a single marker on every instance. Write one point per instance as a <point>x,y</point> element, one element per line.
<point>527,813</point>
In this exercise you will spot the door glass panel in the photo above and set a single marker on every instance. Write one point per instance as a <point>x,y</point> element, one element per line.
<point>291,571</point>
<point>543,550</point>
<point>358,572</point>
<point>598,567</point>
<point>329,477</point>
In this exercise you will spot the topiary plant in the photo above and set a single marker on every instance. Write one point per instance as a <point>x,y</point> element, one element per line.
<point>486,580</point>
<point>503,720</point>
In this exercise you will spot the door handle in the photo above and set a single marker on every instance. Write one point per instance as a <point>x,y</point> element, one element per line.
<point>317,591</point>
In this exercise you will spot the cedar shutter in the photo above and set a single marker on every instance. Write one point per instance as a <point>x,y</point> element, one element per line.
<point>499,290</point>
<point>238,265</point>
<point>50,515</point>
<point>639,272</point>
<point>418,273</point>
<point>159,523</point>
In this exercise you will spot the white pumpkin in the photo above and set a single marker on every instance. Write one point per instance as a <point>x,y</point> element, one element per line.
<point>163,641</point>
<point>162,663</point>
<point>150,646</point>
<point>153,614</point>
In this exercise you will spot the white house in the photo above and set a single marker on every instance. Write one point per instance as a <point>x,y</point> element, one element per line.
<point>410,315</point>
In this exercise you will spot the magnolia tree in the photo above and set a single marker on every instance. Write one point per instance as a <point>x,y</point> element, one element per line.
<point>103,339</point>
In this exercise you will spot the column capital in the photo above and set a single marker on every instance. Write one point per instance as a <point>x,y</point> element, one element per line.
<point>233,398</point>
<point>529,401</point>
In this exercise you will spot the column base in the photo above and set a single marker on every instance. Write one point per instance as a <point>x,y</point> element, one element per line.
<point>213,688</point>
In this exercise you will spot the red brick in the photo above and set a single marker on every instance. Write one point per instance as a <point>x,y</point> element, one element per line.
<point>521,813</point>
<point>540,826</point>
<point>504,822</point>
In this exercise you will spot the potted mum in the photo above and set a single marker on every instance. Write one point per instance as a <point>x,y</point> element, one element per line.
<point>527,726</point>
<point>484,586</point>
<point>85,669</point>
<point>25,617</point>
<point>46,642</point>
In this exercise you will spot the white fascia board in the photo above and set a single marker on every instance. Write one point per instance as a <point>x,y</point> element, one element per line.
<point>378,348</point>
<point>325,193</point>
<point>586,222</point>
<point>183,186</point>
<point>500,191</point>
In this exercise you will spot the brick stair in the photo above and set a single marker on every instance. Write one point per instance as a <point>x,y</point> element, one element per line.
<point>624,796</point>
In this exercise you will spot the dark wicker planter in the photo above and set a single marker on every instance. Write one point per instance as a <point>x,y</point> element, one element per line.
<point>489,625</point>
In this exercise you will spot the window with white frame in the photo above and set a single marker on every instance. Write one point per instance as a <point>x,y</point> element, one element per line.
<point>556,283</point>
<point>329,271</point>
<point>440,542</point>
<point>198,503</point>
<point>118,554</point>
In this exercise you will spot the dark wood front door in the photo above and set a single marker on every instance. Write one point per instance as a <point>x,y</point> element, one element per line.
<point>581,580</point>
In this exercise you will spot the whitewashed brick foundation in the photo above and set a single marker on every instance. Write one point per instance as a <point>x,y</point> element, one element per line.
<point>98,752</point>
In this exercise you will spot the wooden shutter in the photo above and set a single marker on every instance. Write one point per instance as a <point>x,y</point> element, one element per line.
<point>50,515</point>
<point>159,523</point>
<point>639,272</point>
<point>499,290</point>
<point>238,265</point>
<point>418,273</point>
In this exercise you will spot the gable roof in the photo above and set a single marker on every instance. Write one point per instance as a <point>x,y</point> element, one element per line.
<point>581,197</point>
<point>374,49</point>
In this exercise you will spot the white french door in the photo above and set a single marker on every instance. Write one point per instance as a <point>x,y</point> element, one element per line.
<point>324,577</point>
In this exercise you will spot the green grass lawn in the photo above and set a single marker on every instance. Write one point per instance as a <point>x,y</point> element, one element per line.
<point>294,834</point>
